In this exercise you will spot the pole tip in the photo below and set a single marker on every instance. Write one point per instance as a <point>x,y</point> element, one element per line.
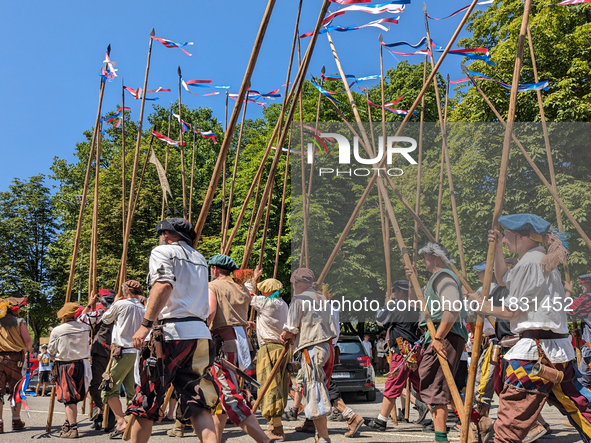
<point>448,78</point>
<point>323,70</point>
<point>179,71</point>
<point>109,49</point>
<point>424,7</point>
<point>152,33</point>
<point>380,38</point>
<point>464,69</point>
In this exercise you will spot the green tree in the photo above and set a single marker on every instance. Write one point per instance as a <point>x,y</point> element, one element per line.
<point>28,228</point>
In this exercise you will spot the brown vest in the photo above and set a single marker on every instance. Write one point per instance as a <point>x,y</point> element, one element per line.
<point>233,301</point>
<point>11,339</point>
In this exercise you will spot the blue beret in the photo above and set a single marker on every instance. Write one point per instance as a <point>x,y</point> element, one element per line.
<point>525,222</point>
<point>481,267</point>
<point>223,261</point>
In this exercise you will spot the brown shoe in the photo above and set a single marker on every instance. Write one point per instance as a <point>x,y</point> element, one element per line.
<point>485,429</point>
<point>1,427</point>
<point>354,423</point>
<point>536,431</point>
<point>71,432</point>
<point>275,433</point>
<point>177,431</point>
<point>17,425</point>
<point>308,427</point>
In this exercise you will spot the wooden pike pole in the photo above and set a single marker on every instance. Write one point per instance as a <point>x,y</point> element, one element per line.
<point>85,191</point>
<point>305,250</point>
<point>182,149</point>
<point>385,227</point>
<point>223,233</point>
<point>123,157</point>
<point>139,187</point>
<point>407,118</point>
<point>445,150</point>
<point>415,242</point>
<point>234,172</point>
<point>266,227</point>
<point>449,378</point>
<point>281,215</point>
<point>299,82</point>
<point>123,268</point>
<point>233,119</point>
<point>490,258</point>
<point>276,132</point>
<point>97,164</point>
<point>191,185</point>
<point>166,162</point>
<point>384,193</point>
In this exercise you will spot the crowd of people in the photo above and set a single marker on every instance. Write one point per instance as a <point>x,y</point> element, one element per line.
<point>187,346</point>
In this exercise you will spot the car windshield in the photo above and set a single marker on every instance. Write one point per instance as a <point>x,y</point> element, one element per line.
<point>350,347</point>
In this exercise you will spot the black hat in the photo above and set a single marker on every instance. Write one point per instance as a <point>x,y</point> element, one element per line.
<point>178,226</point>
<point>400,284</point>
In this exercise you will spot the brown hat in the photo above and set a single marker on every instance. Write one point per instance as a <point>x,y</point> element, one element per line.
<point>69,310</point>
<point>302,275</point>
<point>135,287</point>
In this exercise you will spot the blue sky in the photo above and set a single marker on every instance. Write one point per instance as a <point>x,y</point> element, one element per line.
<point>53,52</point>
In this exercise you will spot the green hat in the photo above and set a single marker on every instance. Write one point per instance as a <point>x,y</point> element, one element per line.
<point>224,262</point>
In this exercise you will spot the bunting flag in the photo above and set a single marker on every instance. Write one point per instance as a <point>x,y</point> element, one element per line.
<point>161,175</point>
<point>184,125</point>
<point>471,53</point>
<point>421,42</point>
<point>109,72</point>
<point>166,139</point>
<point>374,24</point>
<point>394,111</point>
<point>482,3</point>
<point>293,151</point>
<point>272,94</point>
<point>118,116</point>
<point>19,394</point>
<point>194,83</point>
<point>211,93</point>
<point>311,130</point>
<point>208,134</point>
<point>326,93</point>
<point>171,44</point>
<point>573,2</point>
<point>381,8</point>
<point>349,2</point>
<point>137,93</point>
<point>541,86</point>
<point>250,100</point>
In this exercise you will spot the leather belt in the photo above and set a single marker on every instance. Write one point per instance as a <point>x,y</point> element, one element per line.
<point>181,320</point>
<point>542,334</point>
<point>225,333</point>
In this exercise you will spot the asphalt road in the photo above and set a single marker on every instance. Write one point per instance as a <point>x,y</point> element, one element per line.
<point>35,428</point>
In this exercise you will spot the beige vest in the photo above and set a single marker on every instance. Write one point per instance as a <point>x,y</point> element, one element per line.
<point>233,301</point>
<point>11,339</point>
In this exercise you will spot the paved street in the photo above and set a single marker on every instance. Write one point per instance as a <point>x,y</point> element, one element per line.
<point>403,433</point>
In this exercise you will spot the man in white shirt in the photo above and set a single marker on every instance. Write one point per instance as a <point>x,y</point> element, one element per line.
<point>69,348</point>
<point>536,308</point>
<point>180,350</point>
<point>126,313</point>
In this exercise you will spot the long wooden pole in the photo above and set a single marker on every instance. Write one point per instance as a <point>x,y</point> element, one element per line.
<point>490,258</point>
<point>282,213</point>
<point>265,229</point>
<point>407,118</point>
<point>415,242</point>
<point>283,134</point>
<point>276,131</point>
<point>84,195</point>
<point>182,149</point>
<point>232,124</point>
<point>305,250</point>
<point>224,215</point>
<point>139,187</point>
<point>95,207</point>
<point>123,268</point>
<point>166,163</point>
<point>445,151</point>
<point>123,158</point>
<point>191,185</point>
<point>385,228</point>
<point>234,172</point>
<point>449,378</point>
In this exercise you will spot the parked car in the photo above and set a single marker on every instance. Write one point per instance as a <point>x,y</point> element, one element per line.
<point>354,372</point>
